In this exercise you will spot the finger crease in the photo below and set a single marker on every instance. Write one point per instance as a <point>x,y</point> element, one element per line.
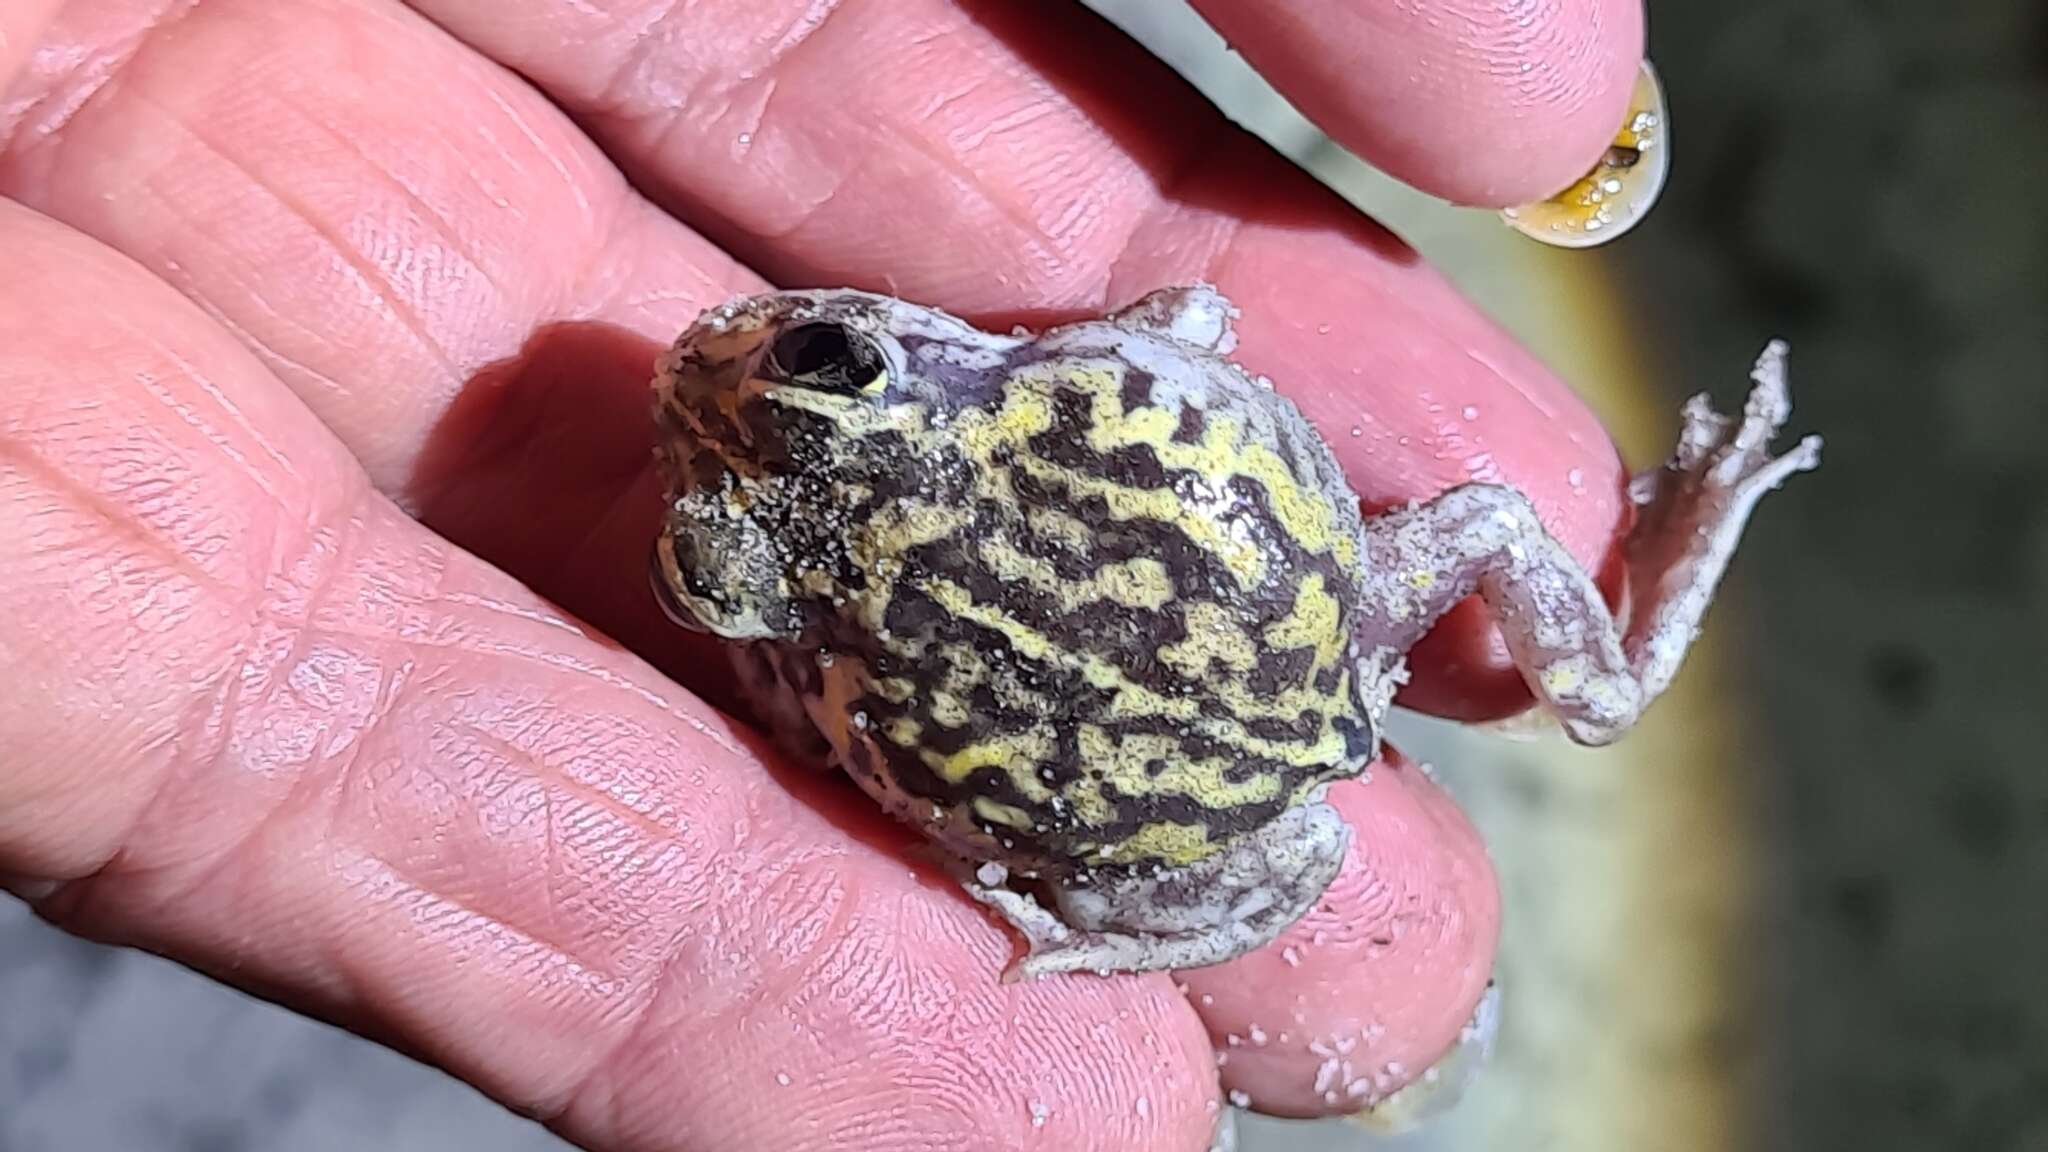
<point>1196,158</point>
<point>365,273</point>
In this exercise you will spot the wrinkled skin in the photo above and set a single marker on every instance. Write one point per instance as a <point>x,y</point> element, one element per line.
<point>324,337</point>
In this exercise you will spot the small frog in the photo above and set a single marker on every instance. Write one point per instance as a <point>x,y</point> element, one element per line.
<point>1097,611</point>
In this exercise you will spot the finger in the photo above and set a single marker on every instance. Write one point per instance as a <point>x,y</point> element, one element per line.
<point>1484,104</point>
<point>997,158</point>
<point>271,727</point>
<point>1383,973</point>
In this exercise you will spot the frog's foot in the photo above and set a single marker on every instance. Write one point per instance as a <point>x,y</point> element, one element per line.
<point>1197,314</point>
<point>1693,510</point>
<point>1213,910</point>
<point>1595,673</point>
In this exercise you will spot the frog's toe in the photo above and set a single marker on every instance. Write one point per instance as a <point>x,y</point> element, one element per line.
<point>1106,953</point>
<point>1745,461</point>
<point>1054,946</point>
<point>1196,314</point>
<point>1051,945</point>
<point>1720,457</point>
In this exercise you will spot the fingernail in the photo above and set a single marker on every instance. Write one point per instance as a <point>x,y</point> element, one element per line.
<point>27,888</point>
<point>1443,1084</point>
<point>1619,191</point>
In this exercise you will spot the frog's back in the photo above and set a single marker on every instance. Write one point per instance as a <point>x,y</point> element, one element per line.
<point>1125,636</point>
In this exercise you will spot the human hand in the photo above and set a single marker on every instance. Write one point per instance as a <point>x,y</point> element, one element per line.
<point>325,333</point>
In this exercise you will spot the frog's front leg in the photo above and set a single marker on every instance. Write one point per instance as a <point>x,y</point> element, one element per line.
<point>771,680</point>
<point>1594,672</point>
<point>1196,314</point>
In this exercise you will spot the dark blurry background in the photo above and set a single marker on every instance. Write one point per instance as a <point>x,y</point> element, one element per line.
<point>1870,178</point>
<point>1806,908</point>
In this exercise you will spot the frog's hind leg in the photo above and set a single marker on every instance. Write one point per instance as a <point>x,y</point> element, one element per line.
<point>1204,913</point>
<point>1595,673</point>
<point>1196,314</point>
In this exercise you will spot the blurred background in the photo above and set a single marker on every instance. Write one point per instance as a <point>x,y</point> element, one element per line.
<point>1805,907</point>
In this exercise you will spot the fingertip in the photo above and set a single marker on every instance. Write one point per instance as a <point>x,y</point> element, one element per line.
<point>1484,105</point>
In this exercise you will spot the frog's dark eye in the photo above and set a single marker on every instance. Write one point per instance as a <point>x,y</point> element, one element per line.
<point>826,357</point>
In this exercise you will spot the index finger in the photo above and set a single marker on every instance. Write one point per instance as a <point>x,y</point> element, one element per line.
<point>1483,104</point>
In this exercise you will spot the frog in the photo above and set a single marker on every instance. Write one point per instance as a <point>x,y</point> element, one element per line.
<point>1096,610</point>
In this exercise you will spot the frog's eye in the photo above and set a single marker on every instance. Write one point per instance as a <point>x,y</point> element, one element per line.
<point>827,357</point>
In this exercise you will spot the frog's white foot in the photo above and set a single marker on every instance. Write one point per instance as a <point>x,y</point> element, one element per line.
<point>1196,314</point>
<point>1595,673</point>
<point>1205,913</point>
<point>1693,511</point>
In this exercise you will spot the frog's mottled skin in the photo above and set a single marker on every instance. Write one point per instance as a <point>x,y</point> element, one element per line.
<point>1097,610</point>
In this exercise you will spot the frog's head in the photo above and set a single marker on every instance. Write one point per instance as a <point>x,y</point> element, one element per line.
<point>789,423</point>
